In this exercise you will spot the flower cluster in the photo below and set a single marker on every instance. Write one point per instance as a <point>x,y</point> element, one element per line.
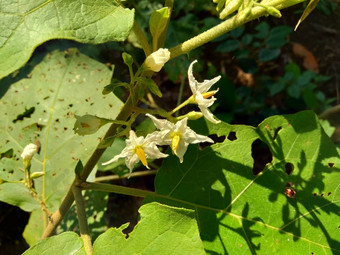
<point>177,135</point>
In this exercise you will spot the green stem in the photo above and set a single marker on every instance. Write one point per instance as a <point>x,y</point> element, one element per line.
<point>227,26</point>
<point>186,102</point>
<point>180,94</point>
<point>82,219</point>
<point>132,175</point>
<point>56,218</point>
<point>116,189</point>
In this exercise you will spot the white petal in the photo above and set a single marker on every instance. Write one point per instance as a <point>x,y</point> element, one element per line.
<point>192,80</point>
<point>153,152</point>
<point>160,123</point>
<point>131,161</point>
<point>124,154</point>
<point>181,150</point>
<point>207,84</point>
<point>208,115</point>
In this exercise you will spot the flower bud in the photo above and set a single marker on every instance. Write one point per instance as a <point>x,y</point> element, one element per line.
<point>194,115</point>
<point>88,124</point>
<point>157,59</point>
<point>37,175</point>
<point>274,12</point>
<point>29,150</point>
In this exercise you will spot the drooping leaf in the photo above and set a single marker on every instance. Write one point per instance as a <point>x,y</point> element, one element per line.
<point>62,85</point>
<point>243,209</point>
<point>310,7</point>
<point>65,243</point>
<point>26,24</point>
<point>161,230</point>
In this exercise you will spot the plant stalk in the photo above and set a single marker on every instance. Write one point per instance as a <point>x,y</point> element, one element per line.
<point>227,26</point>
<point>82,220</point>
<point>90,164</point>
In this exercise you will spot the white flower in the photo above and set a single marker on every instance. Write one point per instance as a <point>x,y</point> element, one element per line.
<point>201,94</point>
<point>178,135</point>
<point>138,149</point>
<point>29,151</point>
<point>157,59</point>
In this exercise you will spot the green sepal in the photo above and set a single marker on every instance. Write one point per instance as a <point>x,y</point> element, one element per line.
<point>79,168</point>
<point>111,87</point>
<point>128,59</point>
<point>107,142</point>
<point>151,85</point>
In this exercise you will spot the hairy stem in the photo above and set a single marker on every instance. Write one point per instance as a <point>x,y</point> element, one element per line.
<point>82,219</point>
<point>68,200</point>
<point>227,26</point>
<point>117,177</point>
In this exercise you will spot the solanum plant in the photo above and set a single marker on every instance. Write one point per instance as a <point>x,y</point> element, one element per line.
<point>61,122</point>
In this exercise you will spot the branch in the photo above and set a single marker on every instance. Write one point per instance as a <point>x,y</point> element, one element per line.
<point>90,164</point>
<point>82,219</point>
<point>227,26</point>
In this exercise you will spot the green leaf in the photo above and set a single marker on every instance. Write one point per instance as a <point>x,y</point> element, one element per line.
<point>277,37</point>
<point>161,230</point>
<point>228,46</point>
<point>263,30</point>
<point>27,24</point>
<point>310,99</point>
<point>241,212</point>
<point>58,89</point>
<point>247,39</point>
<point>268,54</point>
<point>158,22</point>
<point>65,243</point>
<point>151,85</point>
<point>79,168</point>
<point>237,32</point>
<point>111,87</point>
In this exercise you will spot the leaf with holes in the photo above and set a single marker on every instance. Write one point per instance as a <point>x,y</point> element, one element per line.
<point>248,204</point>
<point>26,24</point>
<point>161,230</point>
<point>62,85</point>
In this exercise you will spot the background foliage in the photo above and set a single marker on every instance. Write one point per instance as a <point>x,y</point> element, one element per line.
<point>227,198</point>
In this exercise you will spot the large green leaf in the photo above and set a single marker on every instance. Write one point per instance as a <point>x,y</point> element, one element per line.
<point>65,243</point>
<point>161,230</point>
<point>26,24</point>
<point>62,85</point>
<point>239,212</point>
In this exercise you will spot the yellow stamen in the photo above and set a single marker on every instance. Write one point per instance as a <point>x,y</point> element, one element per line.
<point>176,138</point>
<point>210,93</point>
<point>141,155</point>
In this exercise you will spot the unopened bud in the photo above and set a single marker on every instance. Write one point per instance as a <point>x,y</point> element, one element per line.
<point>274,12</point>
<point>29,150</point>
<point>88,124</point>
<point>36,175</point>
<point>194,115</point>
<point>157,59</point>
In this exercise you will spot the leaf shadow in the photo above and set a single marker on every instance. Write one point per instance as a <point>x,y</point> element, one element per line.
<point>203,182</point>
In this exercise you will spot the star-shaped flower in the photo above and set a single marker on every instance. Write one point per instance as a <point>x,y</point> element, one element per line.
<point>178,135</point>
<point>138,149</point>
<point>201,93</point>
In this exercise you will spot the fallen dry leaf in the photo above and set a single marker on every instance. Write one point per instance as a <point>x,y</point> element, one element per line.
<point>309,60</point>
